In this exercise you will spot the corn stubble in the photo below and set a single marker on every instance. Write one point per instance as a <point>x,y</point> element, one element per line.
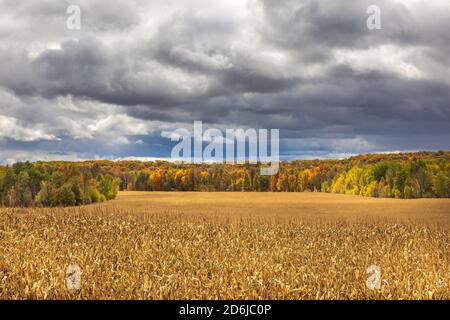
<point>157,251</point>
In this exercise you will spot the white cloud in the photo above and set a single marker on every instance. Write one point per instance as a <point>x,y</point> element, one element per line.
<point>143,159</point>
<point>120,124</point>
<point>11,128</point>
<point>13,156</point>
<point>121,140</point>
<point>389,58</point>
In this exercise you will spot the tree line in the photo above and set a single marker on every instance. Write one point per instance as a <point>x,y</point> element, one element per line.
<point>400,175</point>
<point>54,184</point>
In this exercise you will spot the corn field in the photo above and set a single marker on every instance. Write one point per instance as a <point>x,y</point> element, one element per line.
<point>228,246</point>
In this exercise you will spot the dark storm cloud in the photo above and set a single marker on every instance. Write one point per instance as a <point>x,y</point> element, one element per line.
<point>309,68</point>
<point>89,69</point>
<point>336,23</point>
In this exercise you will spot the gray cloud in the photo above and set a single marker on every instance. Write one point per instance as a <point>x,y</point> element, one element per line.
<point>309,68</point>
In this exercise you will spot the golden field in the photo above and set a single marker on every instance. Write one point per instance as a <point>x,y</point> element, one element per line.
<point>228,246</point>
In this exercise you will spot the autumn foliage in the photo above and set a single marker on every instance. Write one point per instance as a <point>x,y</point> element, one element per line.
<point>399,175</point>
<point>55,184</point>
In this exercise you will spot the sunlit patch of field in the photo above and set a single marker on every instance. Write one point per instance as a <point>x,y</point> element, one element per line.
<point>228,246</point>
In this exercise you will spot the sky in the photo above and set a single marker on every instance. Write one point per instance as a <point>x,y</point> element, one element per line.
<point>137,70</point>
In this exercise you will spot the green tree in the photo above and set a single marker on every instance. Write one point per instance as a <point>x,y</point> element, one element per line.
<point>65,196</point>
<point>408,192</point>
<point>440,185</point>
<point>44,197</point>
<point>108,186</point>
<point>400,179</point>
<point>94,195</point>
<point>24,196</point>
<point>58,179</point>
<point>8,181</point>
